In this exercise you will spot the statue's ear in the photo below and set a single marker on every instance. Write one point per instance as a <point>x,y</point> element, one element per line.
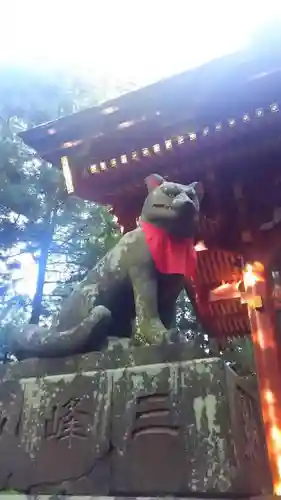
<point>199,189</point>
<point>153,181</point>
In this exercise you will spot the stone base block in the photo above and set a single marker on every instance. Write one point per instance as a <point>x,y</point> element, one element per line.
<point>140,422</point>
<point>15,496</point>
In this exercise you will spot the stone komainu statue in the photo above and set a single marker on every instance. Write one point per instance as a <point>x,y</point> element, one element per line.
<point>137,282</point>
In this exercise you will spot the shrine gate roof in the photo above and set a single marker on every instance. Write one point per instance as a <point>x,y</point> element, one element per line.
<point>166,127</point>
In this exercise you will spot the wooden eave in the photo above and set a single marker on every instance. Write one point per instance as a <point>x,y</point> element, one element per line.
<point>170,122</point>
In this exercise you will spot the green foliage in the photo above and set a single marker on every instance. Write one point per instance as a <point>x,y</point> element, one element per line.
<point>238,353</point>
<point>188,323</point>
<point>83,234</point>
<point>36,216</point>
<point>29,186</point>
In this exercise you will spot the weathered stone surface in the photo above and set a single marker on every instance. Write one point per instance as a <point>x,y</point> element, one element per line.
<point>11,407</point>
<point>248,434</point>
<point>141,422</point>
<point>171,429</point>
<point>65,432</point>
<point>91,497</point>
<point>116,357</point>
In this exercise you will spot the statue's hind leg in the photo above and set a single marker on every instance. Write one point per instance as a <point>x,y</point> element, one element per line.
<point>34,341</point>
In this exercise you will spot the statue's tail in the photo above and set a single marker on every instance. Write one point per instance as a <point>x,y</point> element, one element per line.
<point>32,341</point>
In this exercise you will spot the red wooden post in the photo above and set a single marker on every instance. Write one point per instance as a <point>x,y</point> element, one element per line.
<point>268,362</point>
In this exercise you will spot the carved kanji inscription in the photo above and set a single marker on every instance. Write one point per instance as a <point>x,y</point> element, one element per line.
<point>68,422</point>
<point>153,416</point>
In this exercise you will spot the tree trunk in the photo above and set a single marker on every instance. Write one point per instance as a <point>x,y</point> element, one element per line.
<point>42,266</point>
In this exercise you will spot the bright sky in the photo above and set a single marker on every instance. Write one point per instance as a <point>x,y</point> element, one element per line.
<point>124,40</point>
<point>28,274</point>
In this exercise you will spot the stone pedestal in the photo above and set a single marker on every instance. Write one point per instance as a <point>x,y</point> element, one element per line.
<point>140,422</point>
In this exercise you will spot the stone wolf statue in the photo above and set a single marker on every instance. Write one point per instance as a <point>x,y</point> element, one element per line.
<point>137,282</point>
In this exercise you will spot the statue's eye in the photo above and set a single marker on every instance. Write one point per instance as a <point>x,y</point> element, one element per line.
<point>193,197</point>
<point>191,194</point>
<point>172,193</point>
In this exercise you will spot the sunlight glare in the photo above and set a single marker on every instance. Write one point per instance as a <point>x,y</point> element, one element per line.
<point>28,273</point>
<point>141,42</point>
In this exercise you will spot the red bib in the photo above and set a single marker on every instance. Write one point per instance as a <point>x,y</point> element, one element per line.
<point>170,255</point>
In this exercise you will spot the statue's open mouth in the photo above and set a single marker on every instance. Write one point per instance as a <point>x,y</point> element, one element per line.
<point>161,205</point>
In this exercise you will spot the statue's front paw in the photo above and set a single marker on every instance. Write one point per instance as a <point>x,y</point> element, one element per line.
<point>154,333</point>
<point>176,336</point>
<point>113,342</point>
